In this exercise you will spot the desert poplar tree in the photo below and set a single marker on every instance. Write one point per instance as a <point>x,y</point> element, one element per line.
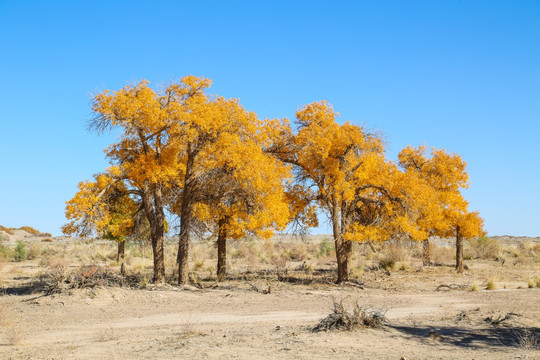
<point>342,170</point>
<point>146,156</point>
<point>465,225</point>
<point>102,207</point>
<point>446,176</point>
<point>245,191</point>
<point>227,179</point>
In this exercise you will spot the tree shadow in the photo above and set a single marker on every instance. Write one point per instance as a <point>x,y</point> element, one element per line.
<point>485,337</point>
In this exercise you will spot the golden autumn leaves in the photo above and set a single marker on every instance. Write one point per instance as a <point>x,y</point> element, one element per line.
<point>211,162</point>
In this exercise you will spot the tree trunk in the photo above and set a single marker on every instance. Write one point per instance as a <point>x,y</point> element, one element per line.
<point>426,255</point>
<point>185,221</point>
<point>155,214</point>
<point>459,251</point>
<point>183,247</point>
<point>159,262</point>
<point>222,251</point>
<point>342,250</point>
<point>120,256</point>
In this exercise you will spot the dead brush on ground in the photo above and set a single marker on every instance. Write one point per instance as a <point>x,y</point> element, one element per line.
<point>343,318</point>
<point>58,280</point>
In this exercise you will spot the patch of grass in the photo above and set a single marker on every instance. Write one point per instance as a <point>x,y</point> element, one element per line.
<point>474,287</point>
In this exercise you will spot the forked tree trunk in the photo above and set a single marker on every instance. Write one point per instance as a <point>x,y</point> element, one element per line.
<point>459,251</point>
<point>426,253</point>
<point>222,251</point>
<point>120,256</point>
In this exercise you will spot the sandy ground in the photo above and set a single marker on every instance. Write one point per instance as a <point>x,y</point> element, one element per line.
<point>235,321</point>
<point>432,313</point>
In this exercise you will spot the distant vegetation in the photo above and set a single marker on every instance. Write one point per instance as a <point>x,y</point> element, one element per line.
<point>30,230</point>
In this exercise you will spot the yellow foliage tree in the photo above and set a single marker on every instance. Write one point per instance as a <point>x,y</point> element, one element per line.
<point>226,177</point>
<point>244,194</point>
<point>445,175</point>
<point>342,170</point>
<point>146,156</point>
<point>103,207</point>
<point>466,225</point>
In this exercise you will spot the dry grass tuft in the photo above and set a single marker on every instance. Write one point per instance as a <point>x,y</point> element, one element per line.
<point>491,285</point>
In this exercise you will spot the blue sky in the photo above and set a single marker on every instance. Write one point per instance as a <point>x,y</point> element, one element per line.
<point>458,75</point>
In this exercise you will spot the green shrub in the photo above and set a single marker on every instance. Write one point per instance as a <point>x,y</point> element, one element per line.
<point>21,253</point>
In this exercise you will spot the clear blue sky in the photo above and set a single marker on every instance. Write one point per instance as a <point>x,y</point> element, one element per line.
<point>459,75</point>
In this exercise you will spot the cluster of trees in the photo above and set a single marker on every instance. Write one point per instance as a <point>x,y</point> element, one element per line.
<point>224,171</point>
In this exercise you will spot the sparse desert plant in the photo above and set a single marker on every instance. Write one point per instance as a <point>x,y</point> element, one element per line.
<point>342,318</point>
<point>474,287</point>
<point>20,253</point>
<point>48,239</point>
<point>531,283</point>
